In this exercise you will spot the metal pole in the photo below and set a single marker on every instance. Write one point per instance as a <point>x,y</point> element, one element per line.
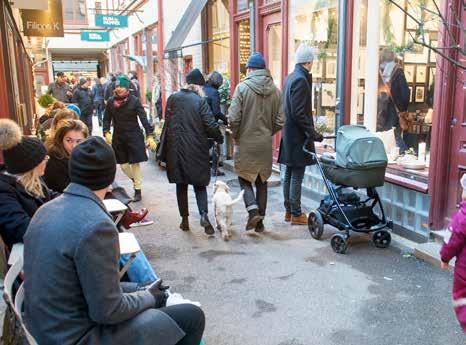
<point>252,26</point>
<point>341,59</point>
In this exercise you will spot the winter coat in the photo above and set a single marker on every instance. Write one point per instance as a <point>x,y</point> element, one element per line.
<point>109,86</point>
<point>455,246</point>
<point>83,98</point>
<point>56,175</point>
<point>213,100</point>
<point>17,208</point>
<point>59,92</point>
<point>128,138</point>
<point>135,88</point>
<point>189,123</point>
<point>299,124</point>
<point>80,300</point>
<point>98,93</point>
<point>256,114</point>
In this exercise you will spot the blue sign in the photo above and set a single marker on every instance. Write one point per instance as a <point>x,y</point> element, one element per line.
<point>111,21</point>
<point>95,36</point>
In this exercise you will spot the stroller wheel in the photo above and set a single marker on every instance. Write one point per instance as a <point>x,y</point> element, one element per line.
<point>315,224</point>
<point>339,243</point>
<point>381,238</point>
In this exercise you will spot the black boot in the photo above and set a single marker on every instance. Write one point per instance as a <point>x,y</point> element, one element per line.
<point>260,226</point>
<point>184,223</point>
<point>205,223</point>
<point>137,195</point>
<point>253,219</point>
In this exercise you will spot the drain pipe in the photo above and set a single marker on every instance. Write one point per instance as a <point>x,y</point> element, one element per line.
<point>160,54</point>
<point>341,64</point>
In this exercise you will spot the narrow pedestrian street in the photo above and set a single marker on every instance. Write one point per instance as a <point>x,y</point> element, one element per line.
<point>284,288</point>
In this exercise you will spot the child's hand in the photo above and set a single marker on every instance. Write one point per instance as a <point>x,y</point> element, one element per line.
<point>444,265</point>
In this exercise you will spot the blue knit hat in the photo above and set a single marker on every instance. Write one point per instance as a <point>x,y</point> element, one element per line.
<point>74,108</point>
<point>256,60</point>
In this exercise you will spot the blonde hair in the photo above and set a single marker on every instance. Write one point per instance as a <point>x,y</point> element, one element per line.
<point>32,183</point>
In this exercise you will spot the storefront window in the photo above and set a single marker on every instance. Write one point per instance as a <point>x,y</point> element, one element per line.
<point>405,83</point>
<point>244,46</point>
<point>315,23</point>
<point>218,31</point>
<point>241,5</point>
<point>274,52</point>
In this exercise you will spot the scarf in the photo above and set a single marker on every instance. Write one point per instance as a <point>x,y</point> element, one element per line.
<point>120,96</point>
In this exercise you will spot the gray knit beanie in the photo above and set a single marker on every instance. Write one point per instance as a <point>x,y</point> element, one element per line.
<point>304,54</point>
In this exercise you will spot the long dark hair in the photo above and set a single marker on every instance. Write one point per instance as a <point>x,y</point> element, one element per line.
<point>56,149</point>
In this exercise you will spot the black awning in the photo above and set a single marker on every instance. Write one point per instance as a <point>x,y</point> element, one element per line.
<point>186,23</point>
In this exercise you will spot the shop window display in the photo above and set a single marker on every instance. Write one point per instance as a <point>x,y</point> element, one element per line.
<point>315,23</point>
<point>244,49</point>
<point>218,31</point>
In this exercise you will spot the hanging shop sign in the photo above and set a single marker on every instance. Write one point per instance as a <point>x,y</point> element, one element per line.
<point>95,36</point>
<point>42,5</point>
<point>44,23</point>
<point>111,21</point>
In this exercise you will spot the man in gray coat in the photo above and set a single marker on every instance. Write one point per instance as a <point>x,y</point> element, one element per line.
<point>60,89</point>
<point>71,266</point>
<point>255,114</point>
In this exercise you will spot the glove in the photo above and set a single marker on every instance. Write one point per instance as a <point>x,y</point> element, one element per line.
<point>159,292</point>
<point>108,138</point>
<point>150,143</point>
<point>319,137</point>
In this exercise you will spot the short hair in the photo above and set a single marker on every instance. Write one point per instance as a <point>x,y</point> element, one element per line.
<point>60,74</point>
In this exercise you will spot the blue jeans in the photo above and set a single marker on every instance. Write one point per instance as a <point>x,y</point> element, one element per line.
<point>292,189</point>
<point>140,270</point>
<point>99,111</point>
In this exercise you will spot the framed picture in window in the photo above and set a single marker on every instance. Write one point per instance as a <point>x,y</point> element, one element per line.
<point>410,93</point>
<point>431,75</point>
<point>331,69</point>
<point>433,55</point>
<point>419,97</point>
<point>419,54</point>
<point>317,69</point>
<point>421,74</point>
<point>409,73</point>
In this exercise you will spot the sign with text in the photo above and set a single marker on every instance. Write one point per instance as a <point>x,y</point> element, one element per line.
<point>44,23</point>
<point>95,36</point>
<point>111,21</point>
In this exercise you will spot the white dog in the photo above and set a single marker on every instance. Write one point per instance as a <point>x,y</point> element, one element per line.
<point>223,207</point>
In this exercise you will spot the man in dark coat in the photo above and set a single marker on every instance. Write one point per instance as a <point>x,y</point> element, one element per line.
<point>123,110</point>
<point>73,294</point>
<point>109,86</point>
<point>297,132</point>
<point>82,96</point>
<point>212,95</point>
<point>189,124</point>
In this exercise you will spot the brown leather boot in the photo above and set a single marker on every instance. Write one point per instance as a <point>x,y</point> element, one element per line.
<point>299,220</point>
<point>287,217</point>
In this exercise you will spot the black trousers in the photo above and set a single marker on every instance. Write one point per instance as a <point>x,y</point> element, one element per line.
<point>253,201</point>
<point>191,320</point>
<point>182,197</point>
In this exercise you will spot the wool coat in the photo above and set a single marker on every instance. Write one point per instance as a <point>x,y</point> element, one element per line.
<point>256,114</point>
<point>455,246</point>
<point>189,124</point>
<point>83,98</point>
<point>128,138</point>
<point>73,294</point>
<point>299,124</point>
<point>17,208</point>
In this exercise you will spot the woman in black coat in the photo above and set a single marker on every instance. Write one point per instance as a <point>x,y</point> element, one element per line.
<point>189,124</point>
<point>123,111</point>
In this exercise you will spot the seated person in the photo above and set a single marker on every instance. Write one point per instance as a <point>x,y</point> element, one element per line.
<point>79,250</point>
<point>22,190</point>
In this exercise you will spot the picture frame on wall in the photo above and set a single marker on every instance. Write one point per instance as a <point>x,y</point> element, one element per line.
<point>433,55</point>
<point>331,69</point>
<point>421,74</point>
<point>419,96</point>
<point>317,69</point>
<point>410,93</point>
<point>419,54</point>
<point>409,73</point>
<point>432,71</point>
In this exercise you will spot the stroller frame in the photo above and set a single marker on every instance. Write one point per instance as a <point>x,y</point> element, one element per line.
<point>339,242</point>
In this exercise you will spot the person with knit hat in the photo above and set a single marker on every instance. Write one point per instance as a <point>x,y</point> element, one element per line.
<point>255,116</point>
<point>298,131</point>
<point>82,97</point>
<point>80,252</point>
<point>123,111</point>
<point>22,190</point>
<point>189,123</point>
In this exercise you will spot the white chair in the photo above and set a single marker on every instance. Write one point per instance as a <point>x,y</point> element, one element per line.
<point>115,207</point>
<point>128,245</point>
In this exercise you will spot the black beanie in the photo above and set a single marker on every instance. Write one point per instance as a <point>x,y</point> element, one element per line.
<point>92,164</point>
<point>21,153</point>
<point>195,77</point>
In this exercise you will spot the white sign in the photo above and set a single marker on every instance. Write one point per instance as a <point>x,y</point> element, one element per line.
<point>42,5</point>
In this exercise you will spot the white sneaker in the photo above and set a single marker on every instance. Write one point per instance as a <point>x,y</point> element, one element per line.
<point>176,298</point>
<point>144,222</point>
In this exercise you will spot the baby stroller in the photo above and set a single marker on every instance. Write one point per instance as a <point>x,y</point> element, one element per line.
<point>360,163</point>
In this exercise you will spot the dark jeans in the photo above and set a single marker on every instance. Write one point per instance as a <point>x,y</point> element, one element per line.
<point>191,320</point>
<point>182,197</point>
<point>292,189</point>
<point>253,201</point>
<point>99,111</point>
<point>87,119</point>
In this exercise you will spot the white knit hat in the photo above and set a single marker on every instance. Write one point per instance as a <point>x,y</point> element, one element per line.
<point>304,54</point>
<point>463,181</point>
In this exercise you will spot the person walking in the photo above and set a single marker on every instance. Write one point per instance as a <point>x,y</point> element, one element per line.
<point>214,81</point>
<point>123,110</point>
<point>109,86</point>
<point>80,253</point>
<point>189,125</point>
<point>255,115</point>
<point>98,96</point>
<point>82,96</point>
<point>298,131</point>
<point>60,89</point>
<point>135,88</point>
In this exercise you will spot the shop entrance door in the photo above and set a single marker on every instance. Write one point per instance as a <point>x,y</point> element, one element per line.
<point>272,48</point>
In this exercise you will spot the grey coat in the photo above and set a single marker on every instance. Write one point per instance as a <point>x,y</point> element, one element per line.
<point>72,288</point>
